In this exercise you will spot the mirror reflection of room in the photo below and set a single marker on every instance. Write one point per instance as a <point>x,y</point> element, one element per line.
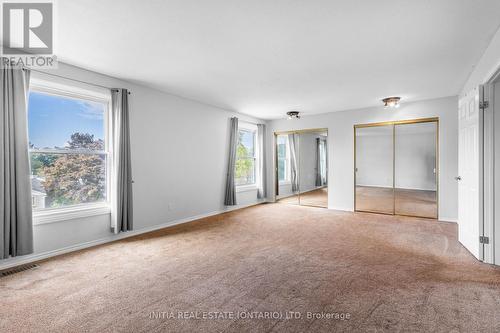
<point>396,168</point>
<point>302,168</point>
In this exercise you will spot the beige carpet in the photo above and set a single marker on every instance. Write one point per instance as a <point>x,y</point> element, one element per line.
<point>388,273</point>
<point>402,201</point>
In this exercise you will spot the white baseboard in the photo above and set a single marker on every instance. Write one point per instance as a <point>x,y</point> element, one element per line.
<point>22,260</point>
<point>448,219</point>
<point>342,209</point>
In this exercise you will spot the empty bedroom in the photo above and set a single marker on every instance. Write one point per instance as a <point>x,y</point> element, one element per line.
<point>249,166</point>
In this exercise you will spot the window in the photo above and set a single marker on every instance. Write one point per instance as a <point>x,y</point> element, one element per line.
<point>246,160</point>
<point>283,158</point>
<point>69,150</point>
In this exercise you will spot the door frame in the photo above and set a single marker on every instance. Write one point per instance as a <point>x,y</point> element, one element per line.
<point>275,159</point>
<point>393,124</point>
<point>491,255</point>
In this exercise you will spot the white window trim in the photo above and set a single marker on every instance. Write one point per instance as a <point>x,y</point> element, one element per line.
<point>68,88</point>
<point>68,213</point>
<point>242,125</point>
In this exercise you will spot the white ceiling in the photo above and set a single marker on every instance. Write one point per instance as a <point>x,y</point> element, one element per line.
<point>264,58</point>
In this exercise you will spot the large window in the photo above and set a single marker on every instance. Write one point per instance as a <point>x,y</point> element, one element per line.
<point>283,159</point>
<point>69,150</point>
<point>246,160</point>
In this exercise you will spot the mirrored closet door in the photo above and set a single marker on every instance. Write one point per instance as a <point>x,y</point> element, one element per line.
<point>287,187</point>
<point>396,168</point>
<point>415,168</point>
<point>302,167</point>
<point>374,169</point>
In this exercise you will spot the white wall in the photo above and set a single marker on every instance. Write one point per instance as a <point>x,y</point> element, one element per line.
<point>341,147</point>
<point>178,149</point>
<point>486,66</point>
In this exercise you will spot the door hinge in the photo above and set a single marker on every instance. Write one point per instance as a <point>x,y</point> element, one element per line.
<point>484,105</point>
<point>484,240</point>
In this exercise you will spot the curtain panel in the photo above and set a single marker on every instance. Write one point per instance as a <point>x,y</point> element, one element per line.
<point>122,201</point>
<point>16,220</point>
<point>230,192</point>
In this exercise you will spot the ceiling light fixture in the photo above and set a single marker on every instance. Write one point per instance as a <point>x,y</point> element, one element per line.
<point>293,115</point>
<point>391,102</point>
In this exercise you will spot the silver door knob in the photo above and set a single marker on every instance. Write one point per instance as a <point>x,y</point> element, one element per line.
<point>458,178</point>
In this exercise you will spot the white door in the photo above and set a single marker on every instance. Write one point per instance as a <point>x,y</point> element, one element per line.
<point>470,157</point>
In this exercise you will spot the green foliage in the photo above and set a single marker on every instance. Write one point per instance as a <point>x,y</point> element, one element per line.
<point>72,178</point>
<point>244,163</point>
<point>41,161</point>
<point>85,141</point>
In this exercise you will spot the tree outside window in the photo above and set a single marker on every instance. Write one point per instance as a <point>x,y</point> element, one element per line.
<point>67,150</point>
<point>245,158</point>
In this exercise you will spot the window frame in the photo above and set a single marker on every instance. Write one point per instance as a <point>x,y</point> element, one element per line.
<point>248,127</point>
<point>71,89</point>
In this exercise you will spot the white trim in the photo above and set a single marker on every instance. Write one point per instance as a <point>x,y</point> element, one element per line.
<point>343,209</point>
<point>488,174</point>
<point>244,125</point>
<point>16,261</point>
<point>69,213</point>
<point>252,128</point>
<point>448,219</point>
<point>70,89</point>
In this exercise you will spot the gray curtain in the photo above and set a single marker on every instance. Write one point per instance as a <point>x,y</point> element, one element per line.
<point>261,135</point>
<point>230,193</point>
<point>294,179</point>
<point>122,178</point>
<point>16,221</point>
<point>319,178</point>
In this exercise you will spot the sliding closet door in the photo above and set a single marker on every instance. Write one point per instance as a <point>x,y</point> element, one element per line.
<point>312,169</point>
<point>416,169</point>
<point>374,169</point>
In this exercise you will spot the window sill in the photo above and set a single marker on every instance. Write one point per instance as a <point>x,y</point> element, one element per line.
<point>69,213</point>
<point>246,188</point>
<point>285,182</point>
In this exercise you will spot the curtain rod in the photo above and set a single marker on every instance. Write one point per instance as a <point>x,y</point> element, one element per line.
<point>68,78</point>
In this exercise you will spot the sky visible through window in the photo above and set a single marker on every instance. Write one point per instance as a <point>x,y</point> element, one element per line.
<point>52,119</point>
<point>247,140</point>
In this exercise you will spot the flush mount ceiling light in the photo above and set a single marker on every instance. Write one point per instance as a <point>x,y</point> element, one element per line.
<point>293,115</point>
<point>391,102</point>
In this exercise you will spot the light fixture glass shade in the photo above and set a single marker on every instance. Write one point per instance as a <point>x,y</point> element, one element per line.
<point>391,102</point>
